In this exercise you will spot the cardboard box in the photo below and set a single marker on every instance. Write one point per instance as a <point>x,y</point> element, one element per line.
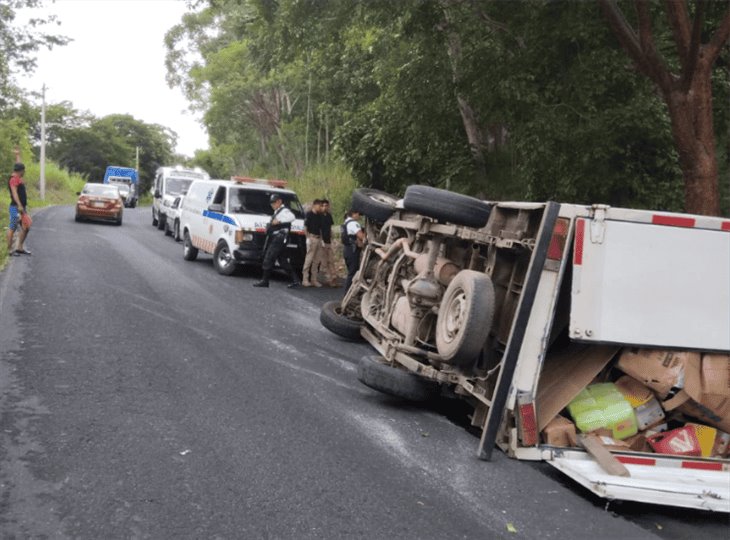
<point>565,374</point>
<point>560,432</point>
<point>646,407</point>
<point>660,370</point>
<point>709,407</point>
<point>705,381</point>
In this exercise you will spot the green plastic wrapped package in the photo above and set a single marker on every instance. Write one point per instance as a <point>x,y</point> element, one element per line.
<point>601,406</point>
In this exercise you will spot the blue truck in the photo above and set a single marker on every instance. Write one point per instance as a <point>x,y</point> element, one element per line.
<point>126,179</point>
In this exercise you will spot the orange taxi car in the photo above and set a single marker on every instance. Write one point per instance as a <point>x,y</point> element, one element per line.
<point>100,201</point>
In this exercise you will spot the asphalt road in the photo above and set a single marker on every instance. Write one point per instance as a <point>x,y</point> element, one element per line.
<point>143,396</point>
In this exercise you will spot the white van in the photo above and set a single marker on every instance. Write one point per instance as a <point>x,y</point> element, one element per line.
<point>228,219</point>
<point>517,307</point>
<point>170,183</point>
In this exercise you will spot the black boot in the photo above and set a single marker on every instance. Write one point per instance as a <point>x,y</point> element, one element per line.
<point>295,283</point>
<point>264,280</point>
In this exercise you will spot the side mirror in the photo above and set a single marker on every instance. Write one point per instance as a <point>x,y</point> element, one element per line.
<point>157,194</point>
<point>216,208</point>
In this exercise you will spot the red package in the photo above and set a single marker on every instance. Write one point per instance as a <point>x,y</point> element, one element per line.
<point>679,442</point>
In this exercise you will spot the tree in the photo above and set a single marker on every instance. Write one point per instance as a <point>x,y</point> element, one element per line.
<point>18,44</point>
<point>112,140</point>
<point>686,86</point>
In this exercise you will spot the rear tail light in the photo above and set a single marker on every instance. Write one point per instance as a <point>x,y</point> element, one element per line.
<point>526,421</point>
<point>557,241</point>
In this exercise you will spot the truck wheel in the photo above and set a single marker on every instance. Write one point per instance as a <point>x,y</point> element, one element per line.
<point>395,381</point>
<point>161,222</point>
<point>333,320</point>
<point>223,259</point>
<point>465,318</point>
<point>190,253</point>
<point>176,231</point>
<point>374,204</point>
<point>154,219</point>
<point>446,206</point>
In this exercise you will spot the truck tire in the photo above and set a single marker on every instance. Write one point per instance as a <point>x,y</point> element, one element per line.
<point>161,221</point>
<point>395,381</point>
<point>333,320</point>
<point>446,206</point>
<point>465,318</point>
<point>190,253</point>
<point>223,259</point>
<point>373,204</point>
<point>176,231</point>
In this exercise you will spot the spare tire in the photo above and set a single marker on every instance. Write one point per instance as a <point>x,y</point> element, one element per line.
<point>333,320</point>
<point>446,206</point>
<point>373,204</point>
<point>465,318</point>
<point>395,381</point>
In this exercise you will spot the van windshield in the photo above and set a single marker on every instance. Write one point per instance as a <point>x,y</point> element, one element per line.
<point>178,185</point>
<point>248,201</point>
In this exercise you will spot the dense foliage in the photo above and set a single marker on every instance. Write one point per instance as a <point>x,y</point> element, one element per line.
<point>535,102</point>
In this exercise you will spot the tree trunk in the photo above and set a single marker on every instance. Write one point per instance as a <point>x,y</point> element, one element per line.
<point>468,117</point>
<point>694,138</point>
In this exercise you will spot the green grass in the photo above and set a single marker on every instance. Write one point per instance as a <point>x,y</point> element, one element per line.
<point>61,188</point>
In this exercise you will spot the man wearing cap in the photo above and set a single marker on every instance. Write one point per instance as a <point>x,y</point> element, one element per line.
<point>277,234</point>
<point>18,210</point>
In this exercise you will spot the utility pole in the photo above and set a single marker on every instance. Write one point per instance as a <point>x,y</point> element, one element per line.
<point>43,145</point>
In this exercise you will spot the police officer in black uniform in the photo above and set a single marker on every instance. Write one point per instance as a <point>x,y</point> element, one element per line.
<point>277,234</point>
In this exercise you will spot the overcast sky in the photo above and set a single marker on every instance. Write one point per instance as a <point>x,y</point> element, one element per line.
<point>115,63</point>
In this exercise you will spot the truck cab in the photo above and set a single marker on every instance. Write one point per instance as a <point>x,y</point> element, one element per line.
<point>169,184</point>
<point>126,179</point>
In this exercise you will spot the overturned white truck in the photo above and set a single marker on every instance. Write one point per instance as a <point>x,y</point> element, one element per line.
<point>517,307</point>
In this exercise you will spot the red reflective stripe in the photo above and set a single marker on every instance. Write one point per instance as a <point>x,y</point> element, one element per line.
<point>674,221</point>
<point>636,460</point>
<point>702,465</point>
<point>725,226</point>
<point>580,228</point>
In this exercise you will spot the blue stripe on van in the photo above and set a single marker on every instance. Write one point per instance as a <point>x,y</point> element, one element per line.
<point>219,217</point>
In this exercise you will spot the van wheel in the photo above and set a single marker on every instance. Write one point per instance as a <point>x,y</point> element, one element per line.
<point>161,222</point>
<point>168,232</point>
<point>374,204</point>
<point>446,206</point>
<point>223,259</point>
<point>333,320</point>
<point>154,220</point>
<point>465,318</point>
<point>372,372</point>
<point>176,231</point>
<point>190,253</point>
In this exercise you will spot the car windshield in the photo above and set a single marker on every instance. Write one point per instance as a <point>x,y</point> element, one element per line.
<point>249,201</point>
<point>178,185</point>
<point>101,190</point>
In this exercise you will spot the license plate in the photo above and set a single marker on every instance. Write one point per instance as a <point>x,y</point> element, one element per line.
<point>98,204</point>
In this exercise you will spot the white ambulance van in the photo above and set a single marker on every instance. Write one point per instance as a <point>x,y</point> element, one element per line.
<point>170,183</point>
<point>518,307</point>
<point>228,219</point>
